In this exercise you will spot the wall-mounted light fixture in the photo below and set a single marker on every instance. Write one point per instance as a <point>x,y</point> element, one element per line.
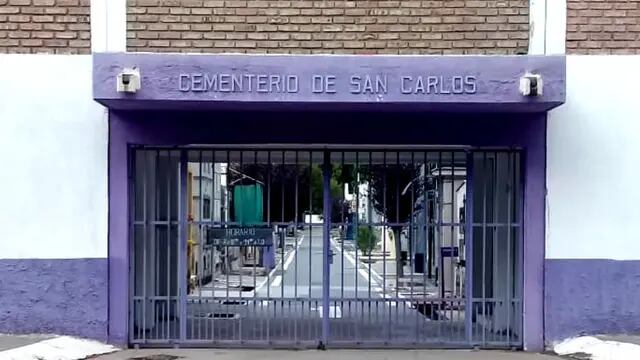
<point>128,80</point>
<point>531,85</point>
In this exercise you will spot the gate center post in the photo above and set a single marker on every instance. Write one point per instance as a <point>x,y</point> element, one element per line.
<point>326,247</point>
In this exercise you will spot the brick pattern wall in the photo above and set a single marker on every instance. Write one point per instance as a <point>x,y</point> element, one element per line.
<point>45,26</point>
<point>355,27</point>
<point>603,27</point>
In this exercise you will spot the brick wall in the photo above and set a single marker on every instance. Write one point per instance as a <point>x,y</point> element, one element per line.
<point>603,27</point>
<point>361,26</point>
<point>45,26</point>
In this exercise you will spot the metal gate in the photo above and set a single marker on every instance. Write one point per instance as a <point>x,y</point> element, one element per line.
<point>325,248</point>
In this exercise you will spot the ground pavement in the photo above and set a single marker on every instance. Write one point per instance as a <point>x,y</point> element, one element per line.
<point>193,354</point>
<point>65,348</point>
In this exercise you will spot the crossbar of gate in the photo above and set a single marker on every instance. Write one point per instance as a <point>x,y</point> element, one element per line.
<point>355,248</point>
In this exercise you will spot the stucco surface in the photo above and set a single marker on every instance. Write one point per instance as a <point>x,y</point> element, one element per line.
<point>591,296</point>
<point>60,296</point>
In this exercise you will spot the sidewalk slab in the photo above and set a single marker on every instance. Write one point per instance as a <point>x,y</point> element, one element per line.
<point>204,354</point>
<point>14,341</point>
<point>58,348</point>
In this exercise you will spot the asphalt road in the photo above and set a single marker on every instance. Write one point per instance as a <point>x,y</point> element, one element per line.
<point>301,274</point>
<point>289,306</point>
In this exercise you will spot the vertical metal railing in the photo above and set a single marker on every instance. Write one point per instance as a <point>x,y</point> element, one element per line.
<point>182,263</point>
<point>326,248</point>
<point>469,249</point>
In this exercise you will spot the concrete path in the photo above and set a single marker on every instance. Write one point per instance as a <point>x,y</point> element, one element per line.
<point>14,341</point>
<point>15,347</point>
<point>193,354</point>
<point>10,344</point>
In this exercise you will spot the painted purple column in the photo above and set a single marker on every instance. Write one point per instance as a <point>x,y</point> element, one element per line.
<point>534,230</point>
<point>326,248</point>
<point>118,233</point>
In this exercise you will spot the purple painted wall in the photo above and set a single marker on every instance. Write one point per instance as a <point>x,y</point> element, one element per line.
<point>591,296</point>
<point>58,296</point>
<point>181,128</point>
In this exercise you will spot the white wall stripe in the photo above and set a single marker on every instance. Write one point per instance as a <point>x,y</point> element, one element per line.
<point>108,25</point>
<point>556,27</point>
<point>537,26</point>
<point>547,27</point>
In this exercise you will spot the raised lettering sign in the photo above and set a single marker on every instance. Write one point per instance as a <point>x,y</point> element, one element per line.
<point>239,83</point>
<point>356,84</point>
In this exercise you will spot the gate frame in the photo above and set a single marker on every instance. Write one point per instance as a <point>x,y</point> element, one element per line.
<point>498,130</point>
<point>326,166</point>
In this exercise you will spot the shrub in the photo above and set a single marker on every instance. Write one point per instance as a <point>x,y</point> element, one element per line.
<point>367,239</point>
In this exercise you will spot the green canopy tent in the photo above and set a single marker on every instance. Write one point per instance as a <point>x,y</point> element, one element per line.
<point>247,204</point>
<point>248,211</point>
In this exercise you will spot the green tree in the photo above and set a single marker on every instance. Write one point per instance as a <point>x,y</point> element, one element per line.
<point>387,183</point>
<point>367,239</point>
<point>280,188</point>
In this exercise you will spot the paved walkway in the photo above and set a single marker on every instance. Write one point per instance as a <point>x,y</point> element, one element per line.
<point>12,344</point>
<point>193,354</point>
<point>13,341</point>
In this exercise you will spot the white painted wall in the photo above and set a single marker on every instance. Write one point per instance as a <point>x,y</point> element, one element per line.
<point>53,151</point>
<point>593,164</point>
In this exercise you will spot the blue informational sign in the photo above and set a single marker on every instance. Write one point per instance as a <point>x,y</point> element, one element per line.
<point>241,236</point>
<point>448,251</point>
